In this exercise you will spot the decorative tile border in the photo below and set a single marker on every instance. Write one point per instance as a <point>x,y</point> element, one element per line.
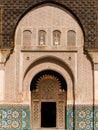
<point>80,117</point>
<point>96,118</point>
<point>84,118</point>
<point>70,118</point>
<point>17,117</point>
<point>14,118</point>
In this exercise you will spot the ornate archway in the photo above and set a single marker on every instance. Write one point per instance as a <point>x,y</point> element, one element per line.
<point>48,101</point>
<point>36,76</point>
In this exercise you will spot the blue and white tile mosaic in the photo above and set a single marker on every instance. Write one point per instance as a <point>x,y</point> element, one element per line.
<point>96,118</point>
<point>17,117</point>
<point>70,118</point>
<point>84,118</point>
<point>14,118</point>
<point>80,118</point>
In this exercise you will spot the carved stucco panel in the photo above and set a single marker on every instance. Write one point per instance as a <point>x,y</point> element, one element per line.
<point>85,11</point>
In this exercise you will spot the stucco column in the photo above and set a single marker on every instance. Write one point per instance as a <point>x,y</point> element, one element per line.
<point>4,54</point>
<point>2,73</point>
<point>96,85</point>
<point>94,56</point>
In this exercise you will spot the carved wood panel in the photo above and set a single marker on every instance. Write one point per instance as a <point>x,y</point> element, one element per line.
<point>36,114</point>
<point>48,90</point>
<point>61,114</point>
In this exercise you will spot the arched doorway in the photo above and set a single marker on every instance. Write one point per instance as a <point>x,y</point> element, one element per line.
<point>48,101</point>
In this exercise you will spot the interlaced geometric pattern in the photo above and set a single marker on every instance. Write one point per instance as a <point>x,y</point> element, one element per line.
<point>84,116</point>
<point>14,117</point>
<point>13,10</point>
<point>61,114</point>
<point>36,118</point>
<point>49,86</point>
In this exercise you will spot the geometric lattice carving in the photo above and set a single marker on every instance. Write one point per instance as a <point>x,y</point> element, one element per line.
<point>84,10</point>
<point>49,91</point>
<point>35,95</point>
<point>61,114</point>
<point>49,86</point>
<point>36,114</point>
<point>62,96</point>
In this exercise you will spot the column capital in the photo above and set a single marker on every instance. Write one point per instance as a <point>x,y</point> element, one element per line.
<point>4,54</point>
<point>94,57</point>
